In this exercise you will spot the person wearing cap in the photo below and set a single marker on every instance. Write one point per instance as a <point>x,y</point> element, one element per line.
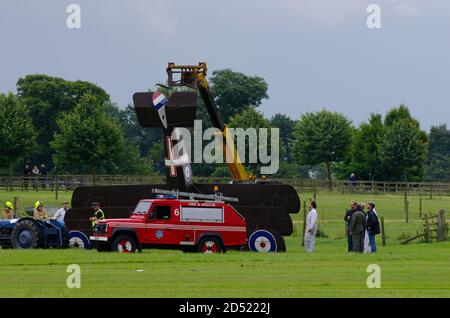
<point>373,226</point>
<point>39,213</point>
<point>98,214</point>
<point>8,212</point>
<point>61,213</point>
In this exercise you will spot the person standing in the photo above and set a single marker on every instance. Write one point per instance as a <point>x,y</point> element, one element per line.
<point>310,228</point>
<point>98,214</point>
<point>35,174</point>
<point>373,226</point>
<point>357,222</point>
<point>353,180</point>
<point>347,217</point>
<point>61,213</point>
<point>43,172</point>
<point>26,176</point>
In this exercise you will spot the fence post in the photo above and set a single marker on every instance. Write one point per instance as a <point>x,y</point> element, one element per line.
<point>441,226</point>
<point>406,205</point>
<point>427,228</point>
<point>56,180</point>
<point>431,191</point>
<point>16,206</point>
<point>304,223</point>
<point>383,233</point>
<point>420,207</point>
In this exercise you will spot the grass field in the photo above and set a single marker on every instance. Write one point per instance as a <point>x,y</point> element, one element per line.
<point>414,270</point>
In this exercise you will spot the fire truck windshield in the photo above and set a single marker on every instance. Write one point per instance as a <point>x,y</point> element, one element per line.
<point>142,208</point>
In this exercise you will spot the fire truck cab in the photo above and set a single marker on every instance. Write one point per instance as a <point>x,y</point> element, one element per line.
<point>170,222</point>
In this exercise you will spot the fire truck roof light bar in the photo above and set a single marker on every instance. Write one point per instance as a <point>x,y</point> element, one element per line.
<point>192,196</point>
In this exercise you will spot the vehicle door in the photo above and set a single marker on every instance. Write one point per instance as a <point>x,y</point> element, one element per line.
<point>160,229</point>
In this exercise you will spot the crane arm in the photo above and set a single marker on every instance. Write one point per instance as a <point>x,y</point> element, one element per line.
<point>194,76</point>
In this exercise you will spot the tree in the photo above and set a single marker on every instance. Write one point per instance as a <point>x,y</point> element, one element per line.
<point>321,138</point>
<point>87,139</point>
<point>404,146</point>
<point>363,159</point>
<point>17,134</point>
<point>286,126</point>
<point>250,118</point>
<point>439,153</point>
<point>234,91</point>
<point>47,99</point>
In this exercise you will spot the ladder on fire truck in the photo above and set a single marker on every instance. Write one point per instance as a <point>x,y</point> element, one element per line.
<point>218,196</point>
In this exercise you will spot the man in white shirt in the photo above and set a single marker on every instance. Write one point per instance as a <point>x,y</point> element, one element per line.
<point>61,213</point>
<point>310,228</point>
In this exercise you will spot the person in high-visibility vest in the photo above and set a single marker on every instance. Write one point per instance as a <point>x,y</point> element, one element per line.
<point>8,212</point>
<point>98,214</point>
<point>39,213</point>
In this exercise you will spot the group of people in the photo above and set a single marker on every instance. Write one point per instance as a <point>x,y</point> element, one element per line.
<point>41,171</point>
<point>361,228</point>
<point>32,173</point>
<point>60,214</point>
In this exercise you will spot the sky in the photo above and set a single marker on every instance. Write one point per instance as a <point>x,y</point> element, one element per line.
<point>313,54</point>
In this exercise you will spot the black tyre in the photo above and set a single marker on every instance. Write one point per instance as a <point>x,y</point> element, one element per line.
<point>210,244</point>
<point>26,235</point>
<point>124,244</point>
<point>281,244</point>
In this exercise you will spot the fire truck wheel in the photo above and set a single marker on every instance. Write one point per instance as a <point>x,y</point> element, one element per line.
<point>124,244</point>
<point>209,244</point>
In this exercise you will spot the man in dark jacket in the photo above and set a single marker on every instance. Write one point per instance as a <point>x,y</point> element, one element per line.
<point>373,226</point>
<point>357,229</point>
<point>347,217</point>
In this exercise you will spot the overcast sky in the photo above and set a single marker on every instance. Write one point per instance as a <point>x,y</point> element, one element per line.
<point>313,53</point>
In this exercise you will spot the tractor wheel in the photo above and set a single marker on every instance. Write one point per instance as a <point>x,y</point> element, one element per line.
<point>26,235</point>
<point>209,245</point>
<point>124,244</point>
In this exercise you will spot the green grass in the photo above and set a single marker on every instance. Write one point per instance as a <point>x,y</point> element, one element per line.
<point>414,270</point>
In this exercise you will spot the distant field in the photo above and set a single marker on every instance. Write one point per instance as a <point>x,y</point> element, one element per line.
<point>415,270</point>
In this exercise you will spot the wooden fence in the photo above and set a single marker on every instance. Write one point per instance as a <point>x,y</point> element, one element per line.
<point>435,227</point>
<point>70,182</point>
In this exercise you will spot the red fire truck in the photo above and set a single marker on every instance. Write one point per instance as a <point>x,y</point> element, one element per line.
<point>203,223</point>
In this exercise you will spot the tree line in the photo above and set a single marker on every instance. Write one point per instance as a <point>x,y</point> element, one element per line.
<point>74,127</point>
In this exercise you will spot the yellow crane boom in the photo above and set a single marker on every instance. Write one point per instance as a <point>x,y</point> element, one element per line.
<point>194,76</point>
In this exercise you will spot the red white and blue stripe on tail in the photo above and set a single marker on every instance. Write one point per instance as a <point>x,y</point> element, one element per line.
<point>159,100</point>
